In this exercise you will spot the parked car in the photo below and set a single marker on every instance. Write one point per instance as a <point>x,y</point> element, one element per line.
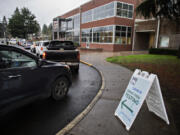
<point>28,45</point>
<point>13,41</point>
<point>3,40</point>
<point>41,48</point>
<point>24,77</point>
<point>22,42</point>
<point>33,47</point>
<point>62,51</point>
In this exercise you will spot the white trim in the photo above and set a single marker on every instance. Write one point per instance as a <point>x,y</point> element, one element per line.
<point>114,29</point>
<point>125,3</point>
<point>145,31</point>
<point>115,9</point>
<point>144,20</point>
<point>101,43</point>
<point>124,17</point>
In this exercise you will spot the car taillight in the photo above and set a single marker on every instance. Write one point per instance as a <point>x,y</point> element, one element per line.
<point>44,55</point>
<point>41,48</point>
<point>78,56</point>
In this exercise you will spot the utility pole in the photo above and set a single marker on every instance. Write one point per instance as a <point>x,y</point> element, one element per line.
<point>4,23</point>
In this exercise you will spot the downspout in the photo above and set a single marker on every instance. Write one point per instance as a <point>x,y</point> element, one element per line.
<point>134,32</point>
<point>157,34</point>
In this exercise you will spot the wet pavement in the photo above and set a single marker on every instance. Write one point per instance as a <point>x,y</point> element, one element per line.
<point>47,117</point>
<point>101,120</point>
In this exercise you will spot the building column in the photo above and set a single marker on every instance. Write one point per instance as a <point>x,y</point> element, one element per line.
<point>157,34</point>
<point>134,34</point>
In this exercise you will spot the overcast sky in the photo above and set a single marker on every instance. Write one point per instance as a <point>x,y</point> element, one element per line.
<point>44,10</point>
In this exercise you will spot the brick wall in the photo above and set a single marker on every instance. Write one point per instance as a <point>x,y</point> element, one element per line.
<point>71,13</point>
<point>109,47</point>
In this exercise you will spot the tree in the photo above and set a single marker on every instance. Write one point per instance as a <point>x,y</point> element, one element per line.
<point>23,23</point>
<point>159,8</point>
<point>16,25</point>
<point>45,29</point>
<point>4,21</point>
<point>50,27</point>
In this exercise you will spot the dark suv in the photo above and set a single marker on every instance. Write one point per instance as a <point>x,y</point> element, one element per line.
<point>24,76</point>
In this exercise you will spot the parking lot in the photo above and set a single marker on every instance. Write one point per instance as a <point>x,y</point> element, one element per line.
<point>47,117</point>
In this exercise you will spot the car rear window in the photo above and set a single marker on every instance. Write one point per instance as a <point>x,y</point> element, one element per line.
<point>30,43</point>
<point>46,43</point>
<point>68,43</point>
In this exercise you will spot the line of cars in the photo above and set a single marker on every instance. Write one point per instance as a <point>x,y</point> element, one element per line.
<point>25,76</point>
<point>58,51</point>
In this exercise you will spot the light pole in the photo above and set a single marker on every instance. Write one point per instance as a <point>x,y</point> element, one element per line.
<point>4,30</point>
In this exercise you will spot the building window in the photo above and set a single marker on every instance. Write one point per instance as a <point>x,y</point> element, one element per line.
<point>123,35</point>
<point>124,10</point>
<point>103,34</point>
<point>104,11</point>
<point>63,26</point>
<point>77,21</point>
<point>76,36</point>
<point>86,35</point>
<point>69,35</point>
<point>87,16</point>
<point>70,24</point>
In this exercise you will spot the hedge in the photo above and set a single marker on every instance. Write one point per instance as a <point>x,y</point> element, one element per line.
<point>163,51</point>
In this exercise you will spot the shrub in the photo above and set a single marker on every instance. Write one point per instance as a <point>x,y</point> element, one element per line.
<point>178,54</point>
<point>163,51</point>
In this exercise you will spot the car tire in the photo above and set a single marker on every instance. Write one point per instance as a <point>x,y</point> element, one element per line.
<point>60,88</point>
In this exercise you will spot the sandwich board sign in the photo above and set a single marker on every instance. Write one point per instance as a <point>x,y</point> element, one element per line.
<point>142,86</point>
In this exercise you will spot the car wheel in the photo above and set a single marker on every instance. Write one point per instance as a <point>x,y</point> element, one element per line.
<point>60,88</point>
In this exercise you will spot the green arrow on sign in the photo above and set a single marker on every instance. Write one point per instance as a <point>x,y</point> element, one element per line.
<point>123,104</point>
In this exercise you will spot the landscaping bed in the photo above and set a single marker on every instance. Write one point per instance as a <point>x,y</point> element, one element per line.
<point>167,68</point>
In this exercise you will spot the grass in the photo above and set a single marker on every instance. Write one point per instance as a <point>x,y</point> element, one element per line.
<point>145,58</point>
<point>168,70</point>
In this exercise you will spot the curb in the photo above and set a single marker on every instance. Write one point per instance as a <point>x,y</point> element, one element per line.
<point>78,118</point>
<point>87,64</point>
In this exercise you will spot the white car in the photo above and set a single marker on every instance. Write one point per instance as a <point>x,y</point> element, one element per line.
<point>22,42</point>
<point>41,48</point>
<point>3,40</point>
<point>13,41</point>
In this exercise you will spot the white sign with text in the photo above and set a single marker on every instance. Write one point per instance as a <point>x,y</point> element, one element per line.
<point>141,86</point>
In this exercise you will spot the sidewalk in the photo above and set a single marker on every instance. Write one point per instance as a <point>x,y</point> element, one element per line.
<point>101,120</point>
